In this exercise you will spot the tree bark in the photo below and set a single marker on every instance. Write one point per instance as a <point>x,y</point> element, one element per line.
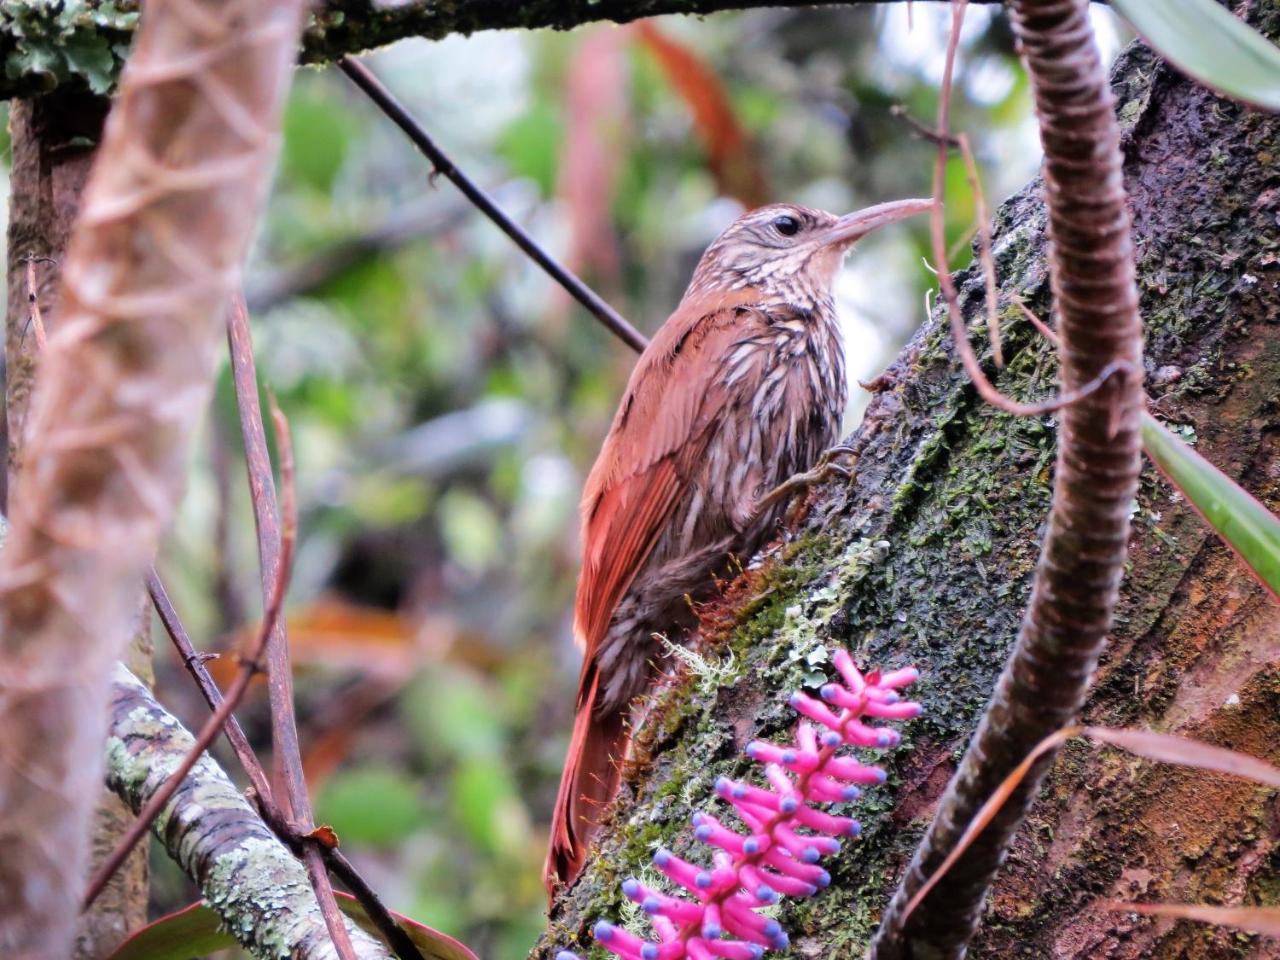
<point>926,557</point>
<point>53,141</point>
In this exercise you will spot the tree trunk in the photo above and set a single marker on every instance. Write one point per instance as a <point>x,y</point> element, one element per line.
<point>926,557</point>
<point>53,144</point>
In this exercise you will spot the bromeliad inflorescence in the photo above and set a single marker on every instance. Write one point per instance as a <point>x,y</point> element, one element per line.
<point>719,918</point>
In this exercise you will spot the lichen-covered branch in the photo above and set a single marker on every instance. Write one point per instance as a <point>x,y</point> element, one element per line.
<point>926,556</point>
<point>163,226</point>
<point>248,876</point>
<point>48,43</point>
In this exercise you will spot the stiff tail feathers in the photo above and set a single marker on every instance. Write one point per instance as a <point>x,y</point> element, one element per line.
<point>588,783</point>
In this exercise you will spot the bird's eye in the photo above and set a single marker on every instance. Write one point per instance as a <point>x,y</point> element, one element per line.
<point>787,226</point>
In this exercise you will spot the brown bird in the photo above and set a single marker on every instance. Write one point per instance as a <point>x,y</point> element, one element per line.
<point>741,389</point>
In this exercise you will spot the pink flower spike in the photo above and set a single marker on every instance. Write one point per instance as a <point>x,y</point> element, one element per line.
<point>809,873</point>
<point>733,791</point>
<point>694,879</point>
<point>805,849</point>
<point>815,710</point>
<point>825,822</point>
<point>858,734</point>
<point>617,941</point>
<point>903,710</point>
<point>786,885</point>
<point>656,902</point>
<point>767,752</point>
<point>787,797</point>
<point>899,678</point>
<point>744,922</point>
<point>828,790</point>
<point>753,816</point>
<point>851,771</point>
<point>735,950</point>
<point>710,830</point>
<point>666,929</point>
<point>697,950</point>
<point>758,884</point>
<point>841,697</point>
<point>849,671</point>
<point>806,738</point>
<point>711,925</point>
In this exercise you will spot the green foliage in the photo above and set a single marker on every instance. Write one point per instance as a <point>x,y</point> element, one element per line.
<point>1206,41</point>
<point>1248,528</point>
<point>57,41</point>
<point>374,805</point>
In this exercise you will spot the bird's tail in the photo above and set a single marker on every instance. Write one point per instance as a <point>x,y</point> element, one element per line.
<point>588,783</point>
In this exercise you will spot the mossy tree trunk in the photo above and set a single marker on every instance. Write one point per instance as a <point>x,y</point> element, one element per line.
<point>926,556</point>
<point>53,140</point>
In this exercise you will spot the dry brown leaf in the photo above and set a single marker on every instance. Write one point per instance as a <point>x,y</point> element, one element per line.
<point>1263,920</point>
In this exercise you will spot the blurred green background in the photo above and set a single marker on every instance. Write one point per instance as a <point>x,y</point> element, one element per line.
<point>446,401</point>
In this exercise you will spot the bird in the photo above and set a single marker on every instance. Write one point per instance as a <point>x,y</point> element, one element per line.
<point>730,408</point>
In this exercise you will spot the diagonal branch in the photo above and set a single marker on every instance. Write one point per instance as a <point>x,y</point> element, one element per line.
<point>364,78</point>
<point>1082,559</point>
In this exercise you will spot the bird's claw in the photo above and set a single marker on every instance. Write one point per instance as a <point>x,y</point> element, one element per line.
<point>826,467</point>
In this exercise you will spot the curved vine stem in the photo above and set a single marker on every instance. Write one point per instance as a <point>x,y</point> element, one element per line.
<point>1083,556</point>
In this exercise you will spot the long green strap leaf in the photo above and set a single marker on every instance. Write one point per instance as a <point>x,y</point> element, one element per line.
<point>1208,43</point>
<point>1249,528</point>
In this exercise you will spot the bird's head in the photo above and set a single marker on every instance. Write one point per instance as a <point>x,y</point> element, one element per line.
<point>789,252</point>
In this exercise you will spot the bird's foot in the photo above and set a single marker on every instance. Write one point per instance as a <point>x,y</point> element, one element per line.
<point>826,468</point>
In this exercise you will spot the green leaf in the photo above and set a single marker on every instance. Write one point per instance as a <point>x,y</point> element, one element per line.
<point>1208,43</point>
<point>191,932</point>
<point>372,805</point>
<point>1249,528</point>
<point>196,930</point>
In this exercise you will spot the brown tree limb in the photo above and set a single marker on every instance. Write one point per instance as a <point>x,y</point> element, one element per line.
<point>1098,458</point>
<point>164,223</point>
<point>274,549</point>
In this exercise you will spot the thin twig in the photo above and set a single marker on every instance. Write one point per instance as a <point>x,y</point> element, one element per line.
<point>342,868</point>
<point>194,661</point>
<point>276,533</point>
<point>365,79</point>
<point>33,299</point>
<point>946,283</point>
<point>250,664</point>
<point>984,246</point>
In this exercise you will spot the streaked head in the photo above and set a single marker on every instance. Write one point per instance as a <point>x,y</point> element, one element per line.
<point>791,252</point>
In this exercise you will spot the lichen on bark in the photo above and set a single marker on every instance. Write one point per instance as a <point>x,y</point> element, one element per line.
<point>955,495</point>
<point>258,888</point>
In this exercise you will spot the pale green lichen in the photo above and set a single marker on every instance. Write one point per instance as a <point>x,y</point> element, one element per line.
<point>53,42</point>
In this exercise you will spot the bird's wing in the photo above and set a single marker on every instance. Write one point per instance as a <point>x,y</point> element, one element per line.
<point>668,413</point>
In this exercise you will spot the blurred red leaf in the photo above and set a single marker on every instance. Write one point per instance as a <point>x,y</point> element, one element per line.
<point>731,153</point>
<point>1263,920</point>
<point>196,930</point>
<point>596,128</point>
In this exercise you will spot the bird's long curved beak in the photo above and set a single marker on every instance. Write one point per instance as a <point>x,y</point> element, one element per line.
<point>855,226</point>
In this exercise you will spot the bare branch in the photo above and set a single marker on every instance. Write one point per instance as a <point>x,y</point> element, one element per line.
<point>163,226</point>
<point>363,77</point>
<point>277,529</point>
